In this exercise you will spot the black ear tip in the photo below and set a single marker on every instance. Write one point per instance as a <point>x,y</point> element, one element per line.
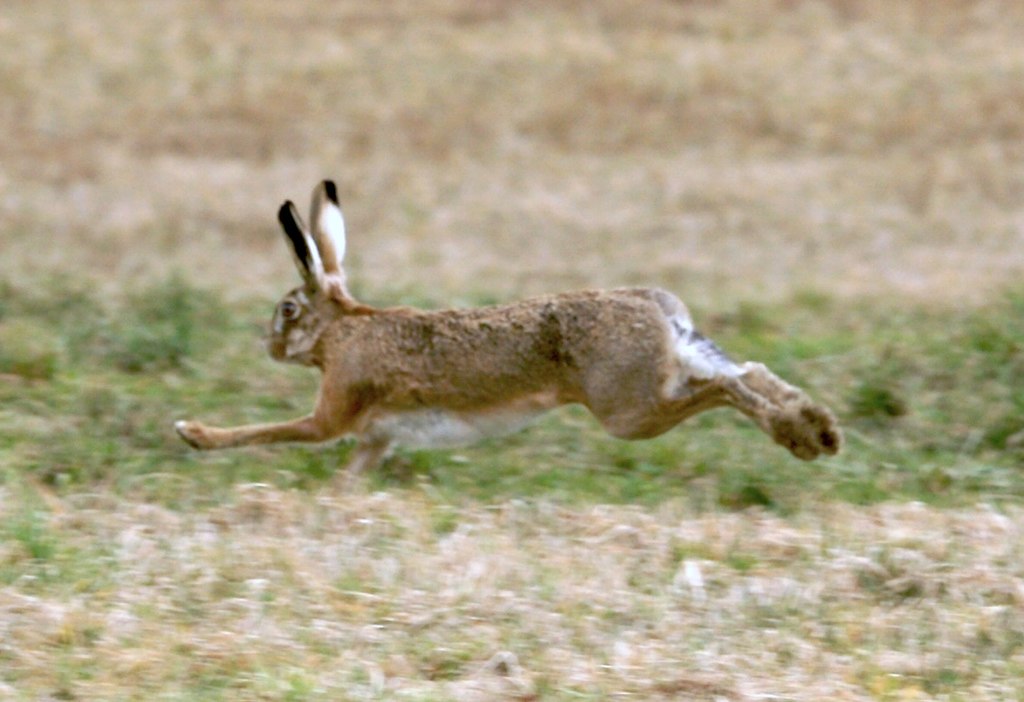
<point>331,191</point>
<point>291,226</point>
<point>284,212</point>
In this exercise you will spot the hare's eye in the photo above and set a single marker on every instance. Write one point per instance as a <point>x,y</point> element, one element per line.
<point>289,310</point>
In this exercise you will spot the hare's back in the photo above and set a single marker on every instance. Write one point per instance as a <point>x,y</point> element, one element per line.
<point>557,332</point>
<point>528,346</point>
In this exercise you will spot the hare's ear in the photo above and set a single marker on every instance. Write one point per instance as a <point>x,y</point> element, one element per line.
<point>328,226</point>
<point>307,258</point>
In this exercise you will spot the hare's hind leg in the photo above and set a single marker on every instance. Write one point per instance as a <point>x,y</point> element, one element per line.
<point>783,411</point>
<point>706,377</point>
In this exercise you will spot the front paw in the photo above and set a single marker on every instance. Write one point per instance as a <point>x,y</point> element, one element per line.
<point>193,433</point>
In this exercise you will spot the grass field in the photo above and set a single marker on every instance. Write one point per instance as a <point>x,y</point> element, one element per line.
<point>835,188</point>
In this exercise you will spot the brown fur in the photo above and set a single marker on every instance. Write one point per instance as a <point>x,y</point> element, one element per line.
<point>391,372</point>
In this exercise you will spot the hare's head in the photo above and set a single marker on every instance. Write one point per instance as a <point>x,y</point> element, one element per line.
<point>302,315</point>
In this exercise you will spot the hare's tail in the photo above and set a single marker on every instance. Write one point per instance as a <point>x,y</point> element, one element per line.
<point>702,356</point>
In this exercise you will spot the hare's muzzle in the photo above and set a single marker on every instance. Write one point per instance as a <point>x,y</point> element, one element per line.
<point>275,346</point>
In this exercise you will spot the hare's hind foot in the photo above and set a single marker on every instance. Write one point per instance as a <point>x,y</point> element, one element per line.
<point>806,429</point>
<point>790,417</point>
<point>783,411</point>
<point>802,427</point>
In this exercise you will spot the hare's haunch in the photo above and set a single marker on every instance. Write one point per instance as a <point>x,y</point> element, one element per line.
<point>435,378</point>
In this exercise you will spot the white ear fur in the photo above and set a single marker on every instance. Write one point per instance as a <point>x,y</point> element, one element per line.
<point>328,226</point>
<point>304,249</point>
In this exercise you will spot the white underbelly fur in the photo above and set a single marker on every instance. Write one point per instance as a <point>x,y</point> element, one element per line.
<point>436,428</point>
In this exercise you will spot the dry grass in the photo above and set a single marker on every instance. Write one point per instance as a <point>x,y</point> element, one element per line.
<point>499,148</point>
<point>285,595</point>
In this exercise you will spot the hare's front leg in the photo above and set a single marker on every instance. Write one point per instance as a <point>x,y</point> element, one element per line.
<point>307,429</point>
<point>333,416</point>
<point>367,454</point>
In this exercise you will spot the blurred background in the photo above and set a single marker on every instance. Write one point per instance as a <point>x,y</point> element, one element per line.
<point>491,148</point>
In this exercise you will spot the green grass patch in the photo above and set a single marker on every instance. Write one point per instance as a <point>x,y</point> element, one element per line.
<point>931,401</point>
<point>28,349</point>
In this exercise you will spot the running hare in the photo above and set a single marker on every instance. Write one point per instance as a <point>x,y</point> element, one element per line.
<point>435,378</point>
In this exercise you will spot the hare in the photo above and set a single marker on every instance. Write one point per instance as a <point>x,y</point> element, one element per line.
<point>438,378</point>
